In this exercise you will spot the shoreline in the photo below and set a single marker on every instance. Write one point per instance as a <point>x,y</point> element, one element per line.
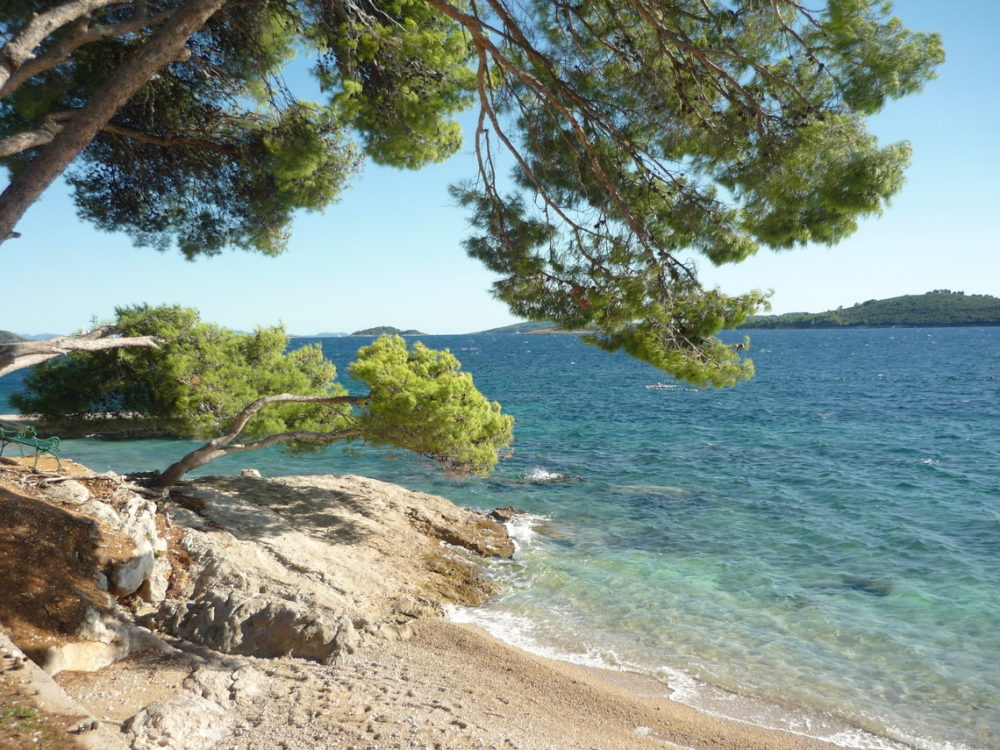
<point>673,682</point>
<point>679,689</point>
<point>417,680</point>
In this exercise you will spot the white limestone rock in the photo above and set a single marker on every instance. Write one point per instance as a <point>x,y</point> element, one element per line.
<point>69,492</point>
<point>184,722</point>
<point>103,639</point>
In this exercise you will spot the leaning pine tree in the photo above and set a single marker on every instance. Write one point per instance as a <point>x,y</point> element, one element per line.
<point>245,392</point>
<point>615,139</point>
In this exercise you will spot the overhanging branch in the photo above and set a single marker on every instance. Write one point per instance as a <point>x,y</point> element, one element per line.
<point>21,48</point>
<point>21,354</point>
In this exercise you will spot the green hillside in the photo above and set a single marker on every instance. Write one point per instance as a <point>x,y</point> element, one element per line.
<point>379,330</point>
<point>526,327</point>
<point>941,307</point>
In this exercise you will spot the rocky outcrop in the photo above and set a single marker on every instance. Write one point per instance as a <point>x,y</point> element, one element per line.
<point>67,548</point>
<point>123,511</point>
<point>296,566</point>
<point>305,566</point>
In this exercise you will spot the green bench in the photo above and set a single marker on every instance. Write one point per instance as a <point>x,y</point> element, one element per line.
<point>25,435</point>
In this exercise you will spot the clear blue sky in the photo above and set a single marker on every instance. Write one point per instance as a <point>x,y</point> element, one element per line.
<point>389,253</point>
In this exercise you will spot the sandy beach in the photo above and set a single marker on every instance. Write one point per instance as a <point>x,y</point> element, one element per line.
<point>447,686</point>
<point>406,677</point>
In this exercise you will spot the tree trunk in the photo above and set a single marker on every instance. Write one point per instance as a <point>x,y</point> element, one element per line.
<point>224,446</point>
<point>193,460</point>
<point>211,451</point>
<point>164,46</point>
<point>21,354</point>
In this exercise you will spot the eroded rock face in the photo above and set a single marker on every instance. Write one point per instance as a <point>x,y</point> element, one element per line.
<point>303,566</point>
<point>64,552</point>
<point>136,518</point>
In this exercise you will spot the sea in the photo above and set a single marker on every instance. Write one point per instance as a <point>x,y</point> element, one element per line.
<point>817,549</point>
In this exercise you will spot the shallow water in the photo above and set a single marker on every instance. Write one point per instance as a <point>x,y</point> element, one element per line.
<point>824,539</point>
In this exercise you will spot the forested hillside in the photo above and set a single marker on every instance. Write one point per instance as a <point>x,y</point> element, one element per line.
<point>387,330</point>
<point>940,307</point>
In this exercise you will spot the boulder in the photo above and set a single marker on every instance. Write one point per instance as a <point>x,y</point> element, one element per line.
<point>236,622</point>
<point>184,722</point>
<point>101,639</point>
<point>504,515</point>
<point>68,492</point>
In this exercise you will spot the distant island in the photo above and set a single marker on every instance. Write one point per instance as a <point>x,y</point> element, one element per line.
<point>941,307</point>
<point>379,330</point>
<point>544,326</point>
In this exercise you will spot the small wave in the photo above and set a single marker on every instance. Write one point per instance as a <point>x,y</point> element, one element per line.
<point>522,632</point>
<point>921,743</point>
<point>525,634</point>
<point>521,529</point>
<point>538,475</point>
<point>670,387</point>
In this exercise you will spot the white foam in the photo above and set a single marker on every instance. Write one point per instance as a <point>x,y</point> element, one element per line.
<point>540,475</point>
<point>524,633</point>
<point>521,529</point>
<point>521,632</point>
<point>683,687</point>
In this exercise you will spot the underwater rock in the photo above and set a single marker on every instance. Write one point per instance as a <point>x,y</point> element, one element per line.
<point>873,586</point>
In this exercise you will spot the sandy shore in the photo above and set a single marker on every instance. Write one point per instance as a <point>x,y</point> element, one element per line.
<point>447,687</point>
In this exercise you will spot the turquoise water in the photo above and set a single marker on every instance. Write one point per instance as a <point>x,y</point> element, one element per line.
<point>822,543</point>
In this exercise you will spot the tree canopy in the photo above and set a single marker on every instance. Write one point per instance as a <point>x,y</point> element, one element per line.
<point>246,391</point>
<point>634,133</point>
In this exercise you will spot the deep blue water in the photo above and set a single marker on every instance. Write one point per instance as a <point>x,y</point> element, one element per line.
<point>822,543</point>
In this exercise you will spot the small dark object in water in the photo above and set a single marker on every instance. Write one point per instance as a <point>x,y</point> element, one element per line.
<point>503,515</point>
<point>873,586</point>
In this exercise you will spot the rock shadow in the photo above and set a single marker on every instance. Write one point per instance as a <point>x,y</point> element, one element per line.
<point>259,508</point>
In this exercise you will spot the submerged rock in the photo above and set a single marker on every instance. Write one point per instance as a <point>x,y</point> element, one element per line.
<point>504,515</point>
<point>873,586</point>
